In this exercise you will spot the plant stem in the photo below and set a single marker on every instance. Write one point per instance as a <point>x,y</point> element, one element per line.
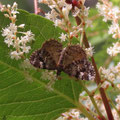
<point>92,99</point>
<point>113,105</point>
<point>98,87</point>
<point>98,79</point>
<point>0,5</point>
<point>82,108</point>
<point>113,85</point>
<point>36,6</point>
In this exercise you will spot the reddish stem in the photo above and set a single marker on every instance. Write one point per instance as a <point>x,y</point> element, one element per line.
<point>98,79</point>
<point>0,5</point>
<point>36,6</point>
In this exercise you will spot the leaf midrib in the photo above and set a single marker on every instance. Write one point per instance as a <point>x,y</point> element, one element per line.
<point>43,84</point>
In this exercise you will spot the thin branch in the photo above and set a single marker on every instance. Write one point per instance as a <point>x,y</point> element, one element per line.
<point>97,79</point>
<point>113,105</point>
<point>0,5</point>
<point>36,7</point>
<point>92,100</point>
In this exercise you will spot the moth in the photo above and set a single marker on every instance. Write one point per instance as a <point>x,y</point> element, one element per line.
<point>71,60</point>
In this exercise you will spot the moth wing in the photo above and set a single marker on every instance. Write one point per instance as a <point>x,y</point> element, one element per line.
<point>74,62</point>
<point>48,56</point>
<point>72,53</point>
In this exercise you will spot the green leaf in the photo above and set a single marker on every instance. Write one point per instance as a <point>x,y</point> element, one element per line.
<point>22,100</point>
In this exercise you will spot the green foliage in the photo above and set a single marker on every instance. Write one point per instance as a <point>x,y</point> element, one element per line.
<point>22,100</point>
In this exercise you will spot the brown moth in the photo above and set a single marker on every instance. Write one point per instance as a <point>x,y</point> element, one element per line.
<point>71,60</point>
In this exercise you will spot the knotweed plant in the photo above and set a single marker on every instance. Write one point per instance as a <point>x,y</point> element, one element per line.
<point>72,16</point>
<point>11,32</point>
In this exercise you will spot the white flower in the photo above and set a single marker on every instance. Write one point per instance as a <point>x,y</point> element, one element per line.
<point>14,5</point>
<point>57,22</point>
<point>3,8</point>
<point>109,74</point>
<point>8,6</point>
<point>116,116</point>
<point>118,67</point>
<point>61,3</point>
<point>25,49</point>
<point>29,35</point>
<point>13,28</point>
<point>48,15</point>
<point>21,26</point>
<point>51,15</point>
<point>86,11</point>
<point>6,32</point>
<point>9,31</point>
<point>9,42</point>
<point>65,13</point>
<point>76,12</point>
<point>115,30</point>
<point>113,51</point>
<point>16,55</point>
<point>6,15</point>
<point>48,75</point>
<point>74,114</point>
<point>118,99</point>
<point>63,37</point>
<point>89,51</point>
<point>14,12</point>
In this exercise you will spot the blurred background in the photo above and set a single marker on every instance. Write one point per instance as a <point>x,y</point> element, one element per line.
<point>29,4</point>
<point>22,4</point>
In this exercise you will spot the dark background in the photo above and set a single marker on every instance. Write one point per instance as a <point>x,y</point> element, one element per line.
<point>29,4</point>
<point>22,4</point>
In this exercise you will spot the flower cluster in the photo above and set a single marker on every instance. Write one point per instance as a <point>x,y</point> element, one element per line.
<point>110,75</point>
<point>88,103</point>
<point>48,75</point>
<point>11,33</point>
<point>116,116</point>
<point>51,76</point>
<point>118,102</point>
<point>113,51</point>
<point>73,114</point>
<point>100,104</point>
<point>112,14</point>
<point>116,108</point>
<point>59,14</point>
<point>108,11</point>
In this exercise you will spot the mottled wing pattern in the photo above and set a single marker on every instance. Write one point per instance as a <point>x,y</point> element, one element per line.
<point>74,62</point>
<point>48,56</point>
